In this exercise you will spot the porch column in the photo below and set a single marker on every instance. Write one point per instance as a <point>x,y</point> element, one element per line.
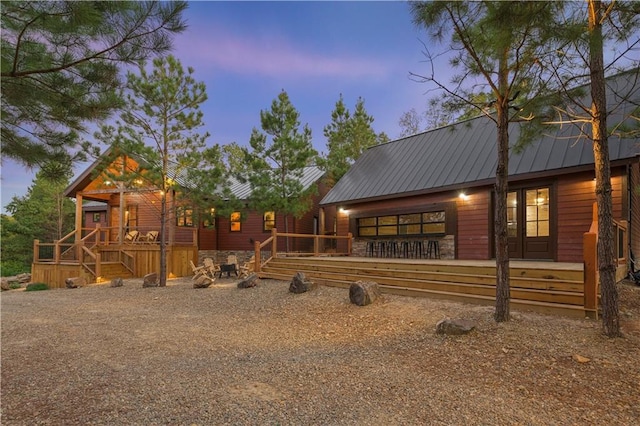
<point>78,224</point>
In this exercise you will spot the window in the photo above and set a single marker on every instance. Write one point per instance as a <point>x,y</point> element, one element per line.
<point>537,212</point>
<point>234,221</point>
<point>414,224</point>
<point>209,220</point>
<point>184,216</point>
<point>268,221</point>
<point>96,217</point>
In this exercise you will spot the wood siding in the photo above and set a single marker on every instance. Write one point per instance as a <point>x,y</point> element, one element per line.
<point>634,202</point>
<point>473,239</point>
<point>575,199</point>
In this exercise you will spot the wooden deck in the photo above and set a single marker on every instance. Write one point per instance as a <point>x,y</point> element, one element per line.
<point>548,287</point>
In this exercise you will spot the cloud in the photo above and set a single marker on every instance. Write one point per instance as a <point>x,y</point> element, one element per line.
<point>273,57</point>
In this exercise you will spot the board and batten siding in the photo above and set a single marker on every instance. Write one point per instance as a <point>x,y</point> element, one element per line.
<point>473,226</point>
<point>575,199</point>
<point>634,196</point>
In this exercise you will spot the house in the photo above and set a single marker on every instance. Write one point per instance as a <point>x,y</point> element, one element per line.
<point>112,217</point>
<point>437,188</point>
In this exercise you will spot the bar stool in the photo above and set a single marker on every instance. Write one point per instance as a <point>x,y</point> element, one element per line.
<point>433,248</point>
<point>371,248</point>
<point>405,249</point>
<point>392,248</point>
<point>418,249</point>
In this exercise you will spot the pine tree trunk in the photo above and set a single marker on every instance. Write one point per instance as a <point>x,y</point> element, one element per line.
<point>500,215</point>
<point>606,255</point>
<point>163,241</point>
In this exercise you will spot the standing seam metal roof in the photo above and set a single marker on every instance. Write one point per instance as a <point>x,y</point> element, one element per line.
<point>465,153</point>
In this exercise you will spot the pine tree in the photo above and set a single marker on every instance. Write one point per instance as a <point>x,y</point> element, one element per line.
<point>159,129</point>
<point>277,160</point>
<point>60,64</point>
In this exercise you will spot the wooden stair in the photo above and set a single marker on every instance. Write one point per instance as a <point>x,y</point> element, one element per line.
<point>539,286</point>
<point>110,270</point>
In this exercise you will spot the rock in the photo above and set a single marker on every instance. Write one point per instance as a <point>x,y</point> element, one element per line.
<point>250,281</point>
<point>203,282</point>
<point>581,359</point>
<point>23,278</point>
<point>299,284</point>
<point>116,282</point>
<point>455,327</point>
<point>364,293</point>
<point>75,282</point>
<point>150,280</point>
<point>5,284</point>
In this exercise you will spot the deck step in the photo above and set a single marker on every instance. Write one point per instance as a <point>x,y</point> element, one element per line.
<point>547,290</point>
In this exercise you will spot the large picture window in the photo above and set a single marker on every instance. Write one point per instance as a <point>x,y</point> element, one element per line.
<point>413,224</point>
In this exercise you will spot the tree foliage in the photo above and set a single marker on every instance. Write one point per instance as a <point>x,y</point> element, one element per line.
<point>277,160</point>
<point>497,48</point>
<point>60,64</point>
<point>43,213</point>
<point>348,136</point>
<point>159,129</point>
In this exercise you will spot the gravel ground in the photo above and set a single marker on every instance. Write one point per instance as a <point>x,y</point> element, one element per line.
<point>184,356</point>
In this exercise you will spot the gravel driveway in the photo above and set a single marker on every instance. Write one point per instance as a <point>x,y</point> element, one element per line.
<point>260,356</point>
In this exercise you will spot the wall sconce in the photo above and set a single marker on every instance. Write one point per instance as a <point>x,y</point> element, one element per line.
<point>463,196</point>
<point>342,210</point>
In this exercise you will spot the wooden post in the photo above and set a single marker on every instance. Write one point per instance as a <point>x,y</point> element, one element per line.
<point>590,257</point>
<point>36,250</point>
<point>590,254</point>
<point>98,266</point>
<point>78,223</point>
<point>316,245</point>
<point>350,235</point>
<point>258,261</point>
<point>56,251</point>
<point>274,243</point>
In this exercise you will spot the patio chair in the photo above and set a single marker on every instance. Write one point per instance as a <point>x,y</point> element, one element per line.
<point>131,237</point>
<point>248,267</point>
<point>149,238</point>
<point>210,267</point>
<point>198,271</point>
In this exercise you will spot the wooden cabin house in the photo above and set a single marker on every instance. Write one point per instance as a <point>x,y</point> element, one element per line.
<point>117,230</point>
<point>433,192</point>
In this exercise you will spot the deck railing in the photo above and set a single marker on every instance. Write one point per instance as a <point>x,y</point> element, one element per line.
<point>307,245</point>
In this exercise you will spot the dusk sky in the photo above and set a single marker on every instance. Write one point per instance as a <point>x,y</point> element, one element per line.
<point>247,52</point>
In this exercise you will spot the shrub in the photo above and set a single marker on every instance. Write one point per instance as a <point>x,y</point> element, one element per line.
<point>14,285</point>
<point>9,268</point>
<point>37,287</point>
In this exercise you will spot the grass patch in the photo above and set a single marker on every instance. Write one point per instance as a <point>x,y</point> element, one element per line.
<point>37,287</point>
<point>14,285</point>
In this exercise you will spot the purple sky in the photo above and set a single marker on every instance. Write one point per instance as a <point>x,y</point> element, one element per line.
<point>247,52</point>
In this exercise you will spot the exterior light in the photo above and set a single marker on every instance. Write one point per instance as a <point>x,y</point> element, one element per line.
<point>343,210</point>
<point>463,196</point>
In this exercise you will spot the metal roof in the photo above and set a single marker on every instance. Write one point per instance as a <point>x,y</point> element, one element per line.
<point>310,175</point>
<point>465,154</point>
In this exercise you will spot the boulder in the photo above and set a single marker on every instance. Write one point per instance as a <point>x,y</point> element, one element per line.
<point>150,280</point>
<point>203,282</point>
<point>299,284</point>
<point>455,327</point>
<point>116,282</point>
<point>5,284</point>
<point>364,293</point>
<point>75,282</point>
<point>250,281</point>
<point>23,278</point>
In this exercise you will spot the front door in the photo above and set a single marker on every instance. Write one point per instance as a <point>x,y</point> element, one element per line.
<point>529,223</point>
